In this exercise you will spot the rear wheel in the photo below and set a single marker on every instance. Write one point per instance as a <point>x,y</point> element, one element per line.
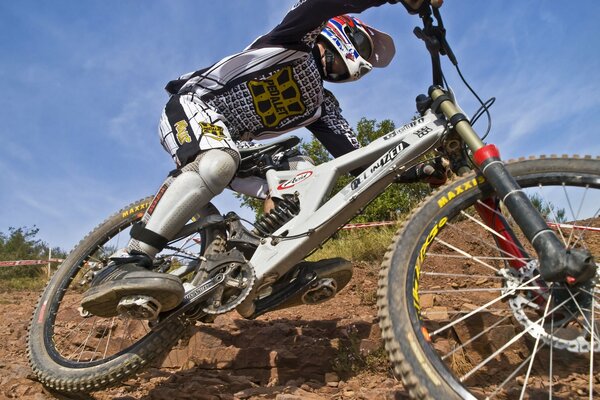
<point>71,350</point>
<point>459,321</point>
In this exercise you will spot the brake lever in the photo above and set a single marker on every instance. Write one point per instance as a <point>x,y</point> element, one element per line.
<point>434,36</point>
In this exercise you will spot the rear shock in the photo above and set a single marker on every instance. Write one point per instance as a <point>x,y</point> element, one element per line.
<point>287,208</point>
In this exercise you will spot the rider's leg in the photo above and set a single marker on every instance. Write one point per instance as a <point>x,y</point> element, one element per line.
<point>258,188</point>
<point>205,173</point>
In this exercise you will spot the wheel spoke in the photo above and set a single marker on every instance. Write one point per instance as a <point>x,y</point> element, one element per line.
<point>497,328</point>
<point>84,344</point>
<point>593,339</point>
<point>485,290</point>
<point>110,331</point>
<point>510,292</point>
<point>535,349</point>
<point>587,326</point>
<point>467,255</point>
<point>480,238</point>
<point>580,238</point>
<point>472,276</point>
<point>537,325</point>
<point>74,340</point>
<point>475,337</point>
<point>512,375</point>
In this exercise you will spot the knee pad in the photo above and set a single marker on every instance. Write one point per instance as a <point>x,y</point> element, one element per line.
<point>178,204</point>
<point>217,168</point>
<point>185,194</point>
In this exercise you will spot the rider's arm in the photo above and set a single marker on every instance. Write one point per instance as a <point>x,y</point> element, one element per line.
<point>306,19</point>
<point>332,129</point>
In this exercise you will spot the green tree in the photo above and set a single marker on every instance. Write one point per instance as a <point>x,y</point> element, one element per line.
<point>252,203</point>
<point>22,244</point>
<point>548,210</point>
<point>396,200</point>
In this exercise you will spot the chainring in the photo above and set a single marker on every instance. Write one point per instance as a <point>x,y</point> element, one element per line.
<point>238,283</point>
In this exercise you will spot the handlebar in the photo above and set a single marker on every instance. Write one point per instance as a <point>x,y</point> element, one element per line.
<point>434,37</point>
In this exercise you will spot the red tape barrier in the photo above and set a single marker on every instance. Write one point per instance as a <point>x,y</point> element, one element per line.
<point>347,226</point>
<point>382,223</point>
<point>30,262</point>
<point>577,227</point>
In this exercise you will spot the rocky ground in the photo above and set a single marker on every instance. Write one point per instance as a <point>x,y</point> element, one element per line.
<point>328,351</point>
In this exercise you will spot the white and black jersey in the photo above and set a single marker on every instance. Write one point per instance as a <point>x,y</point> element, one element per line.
<point>276,84</point>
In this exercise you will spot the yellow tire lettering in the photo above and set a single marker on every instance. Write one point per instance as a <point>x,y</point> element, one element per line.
<point>442,202</point>
<point>430,238</point>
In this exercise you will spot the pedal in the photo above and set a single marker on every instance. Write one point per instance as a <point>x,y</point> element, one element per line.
<point>315,282</point>
<point>139,307</point>
<point>323,290</point>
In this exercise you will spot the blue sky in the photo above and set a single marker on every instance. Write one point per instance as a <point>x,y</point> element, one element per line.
<point>82,89</point>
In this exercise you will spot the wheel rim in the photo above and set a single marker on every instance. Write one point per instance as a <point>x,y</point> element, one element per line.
<point>79,339</point>
<point>495,341</point>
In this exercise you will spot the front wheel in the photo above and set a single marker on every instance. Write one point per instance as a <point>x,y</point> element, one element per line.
<point>460,321</point>
<point>73,351</point>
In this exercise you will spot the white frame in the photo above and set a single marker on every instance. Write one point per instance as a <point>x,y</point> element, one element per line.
<point>388,157</point>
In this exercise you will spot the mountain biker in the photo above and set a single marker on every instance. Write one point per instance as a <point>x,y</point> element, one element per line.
<point>275,85</point>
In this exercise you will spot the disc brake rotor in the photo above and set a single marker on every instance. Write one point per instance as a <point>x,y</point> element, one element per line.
<point>567,323</point>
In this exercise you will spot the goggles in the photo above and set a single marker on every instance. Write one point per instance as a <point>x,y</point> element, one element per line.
<point>360,40</point>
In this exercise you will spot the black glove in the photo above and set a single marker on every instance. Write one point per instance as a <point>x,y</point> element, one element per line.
<point>412,6</point>
<point>434,172</point>
<point>415,6</point>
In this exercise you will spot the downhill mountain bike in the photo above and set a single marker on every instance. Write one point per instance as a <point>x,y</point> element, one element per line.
<point>489,289</point>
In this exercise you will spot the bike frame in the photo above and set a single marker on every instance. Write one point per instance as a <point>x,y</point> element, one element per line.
<point>319,218</point>
<point>386,158</point>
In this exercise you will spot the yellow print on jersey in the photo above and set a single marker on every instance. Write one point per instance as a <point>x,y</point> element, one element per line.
<point>212,131</point>
<point>276,97</point>
<point>183,136</point>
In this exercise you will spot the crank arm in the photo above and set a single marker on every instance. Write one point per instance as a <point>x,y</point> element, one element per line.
<point>275,300</point>
<point>191,299</point>
<point>557,263</point>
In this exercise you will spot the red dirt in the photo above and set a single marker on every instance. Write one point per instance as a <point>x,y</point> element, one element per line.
<point>285,355</point>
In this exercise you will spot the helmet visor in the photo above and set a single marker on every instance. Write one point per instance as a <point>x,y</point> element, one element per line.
<point>383,48</point>
<point>361,42</point>
<point>335,67</point>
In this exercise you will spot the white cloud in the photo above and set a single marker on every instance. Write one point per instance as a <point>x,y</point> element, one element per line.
<point>136,123</point>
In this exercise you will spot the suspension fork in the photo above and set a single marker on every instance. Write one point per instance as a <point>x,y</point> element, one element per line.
<point>509,245</point>
<point>557,262</point>
<point>491,214</point>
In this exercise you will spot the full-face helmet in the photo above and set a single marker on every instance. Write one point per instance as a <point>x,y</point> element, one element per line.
<point>358,47</point>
